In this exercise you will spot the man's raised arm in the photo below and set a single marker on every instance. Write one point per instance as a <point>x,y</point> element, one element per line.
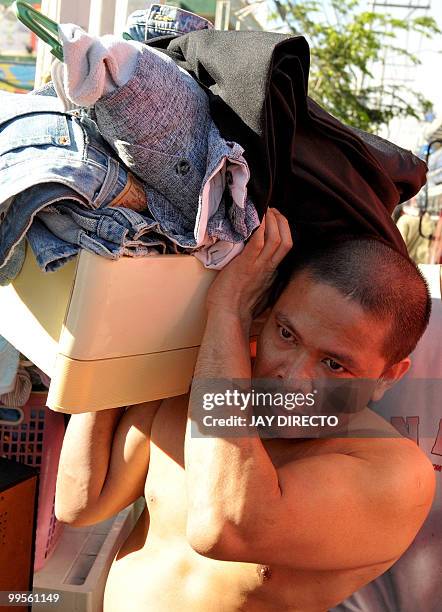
<point>229,479</point>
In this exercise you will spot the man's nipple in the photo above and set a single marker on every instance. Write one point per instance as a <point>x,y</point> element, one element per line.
<point>264,572</point>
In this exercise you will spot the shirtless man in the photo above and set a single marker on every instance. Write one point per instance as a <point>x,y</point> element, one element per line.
<point>257,525</point>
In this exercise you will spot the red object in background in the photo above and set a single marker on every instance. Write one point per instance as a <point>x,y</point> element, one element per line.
<point>36,441</point>
<point>18,489</point>
<point>34,38</point>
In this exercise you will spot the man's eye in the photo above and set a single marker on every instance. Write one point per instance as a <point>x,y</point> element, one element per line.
<point>333,365</point>
<point>285,333</point>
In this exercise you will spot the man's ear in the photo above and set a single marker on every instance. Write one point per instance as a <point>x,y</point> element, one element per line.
<point>390,377</point>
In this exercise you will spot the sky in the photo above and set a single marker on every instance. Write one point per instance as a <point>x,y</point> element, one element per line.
<point>426,79</point>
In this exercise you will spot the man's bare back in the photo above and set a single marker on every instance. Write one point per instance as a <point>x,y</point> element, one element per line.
<point>156,569</point>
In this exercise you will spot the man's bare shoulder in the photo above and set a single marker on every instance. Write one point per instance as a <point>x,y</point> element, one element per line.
<point>376,441</point>
<point>346,497</point>
<point>393,468</point>
<point>401,465</point>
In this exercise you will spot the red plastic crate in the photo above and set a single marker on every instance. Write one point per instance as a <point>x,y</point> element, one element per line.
<point>36,440</point>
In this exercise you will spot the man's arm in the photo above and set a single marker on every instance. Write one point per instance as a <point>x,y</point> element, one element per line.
<point>326,512</point>
<point>229,479</point>
<point>103,463</point>
<point>330,511</point>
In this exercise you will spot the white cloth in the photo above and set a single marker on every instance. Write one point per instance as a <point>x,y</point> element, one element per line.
<point>19,395</point>
<point>94,67</point>
<point>57,78</point>
<point>219,254</point>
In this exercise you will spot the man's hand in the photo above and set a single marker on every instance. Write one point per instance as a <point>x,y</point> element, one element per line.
<point>240,286</point>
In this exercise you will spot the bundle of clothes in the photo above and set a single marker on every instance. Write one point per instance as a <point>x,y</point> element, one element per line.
<point>177,141</point>
<point>175,138</point>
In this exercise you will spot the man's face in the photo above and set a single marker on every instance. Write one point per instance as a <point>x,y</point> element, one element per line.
<point>314,332</point>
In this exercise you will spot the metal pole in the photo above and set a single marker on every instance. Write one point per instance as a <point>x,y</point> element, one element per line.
<point>102,17</point>
<point>397,5</point>
<point>121,11</point>
<point>222,15</point>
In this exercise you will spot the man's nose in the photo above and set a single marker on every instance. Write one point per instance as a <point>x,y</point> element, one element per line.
<point>298,373</point>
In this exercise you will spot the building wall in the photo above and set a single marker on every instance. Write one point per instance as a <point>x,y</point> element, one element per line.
<point>18,48</point>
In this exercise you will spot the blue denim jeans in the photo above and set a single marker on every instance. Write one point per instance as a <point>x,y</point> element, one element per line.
<point>47,157</point>
<point>15,263</point>
<point>64,226</point>
<point>161,20</point>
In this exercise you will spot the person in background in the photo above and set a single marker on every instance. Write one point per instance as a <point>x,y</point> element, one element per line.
<point>397,213</point>
<point>417,236</point>
<point>436,248</point>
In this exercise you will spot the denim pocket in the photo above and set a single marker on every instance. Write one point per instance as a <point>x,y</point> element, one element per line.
<point>34,129</point>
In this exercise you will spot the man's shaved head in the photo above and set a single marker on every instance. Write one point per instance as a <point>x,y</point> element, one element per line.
<point>385,284</point>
